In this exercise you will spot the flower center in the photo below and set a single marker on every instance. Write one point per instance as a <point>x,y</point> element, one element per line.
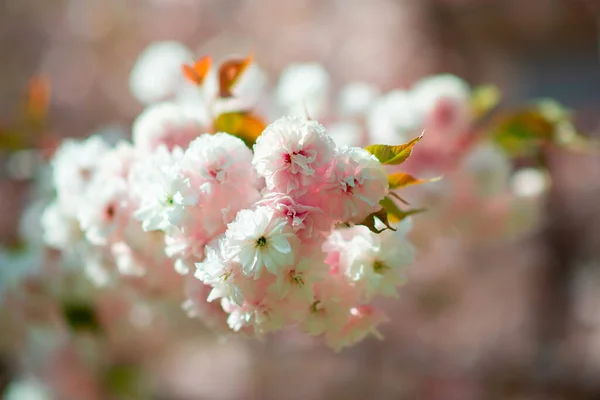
<point>85,173</point>
<point>299,161</point>
<point>216,171</point>
<point>110,211</point>
<point>261,241</point>
<point>315,307</point>
<point>288,157</point>
<point>379,267</point>
<point>225,275</point>
<point>296,278</point>
<point>349,184</point>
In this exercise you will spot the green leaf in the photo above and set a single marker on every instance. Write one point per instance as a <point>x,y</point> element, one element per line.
<point>393,155</point>
<point>395,214</point>
<point>400,179</point>
<point>369,222</point>
<point>382,215</point>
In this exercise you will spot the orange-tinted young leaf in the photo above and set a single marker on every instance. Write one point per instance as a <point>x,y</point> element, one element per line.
<point>229,73</point>
<point>393,155</point>
<point>197,73</point>
<point>400,179</point>
<point>38,99</point>
<point>244,124</point>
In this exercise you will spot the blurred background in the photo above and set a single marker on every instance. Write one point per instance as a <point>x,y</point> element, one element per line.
<point>484,315</point>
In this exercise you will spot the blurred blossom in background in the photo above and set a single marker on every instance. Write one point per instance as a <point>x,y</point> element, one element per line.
<point>502,302</point>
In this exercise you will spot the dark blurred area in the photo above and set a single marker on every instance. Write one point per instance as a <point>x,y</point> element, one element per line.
<point>491,318</point>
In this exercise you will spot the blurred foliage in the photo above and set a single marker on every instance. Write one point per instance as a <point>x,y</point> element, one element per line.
<point>80,317</point>
<point>28,130</point>
<point>485,98</point>
<point>524,132</point>
<point>124,381</point>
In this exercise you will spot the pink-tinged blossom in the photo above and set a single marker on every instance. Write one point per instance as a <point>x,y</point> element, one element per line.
<point>220,273</point>
<point>151,243</point>
<point>303,89</point>
<point>128,262</point>
<point>363,321</point>
<point>356,185</point>
<point>74,165</point>
<point>180,200</point>
<point>390,118</point>
<point>117,161</point>
<point>198,224</point>
<point>448,119</point>
<point>185,248</point>
<point>205,220</point>
<point>346,133</point>
<point>329,310</point>
<point>139,251</point>
<point>103,209</point>
<point>374,264</point>
<point>219,159</point>
<point>297,281</point>
<point>156,75</point>
<point>61,230</point>
<point>162,190</point>
<point>356,98</point>
<point>293,153</point>
<point>323,316</point>
<point>427,93</point>
<point>258,238</point>
<point>260,315</point>
<point>168,124</point>
<point>196,306</point>
<point>308,222</point>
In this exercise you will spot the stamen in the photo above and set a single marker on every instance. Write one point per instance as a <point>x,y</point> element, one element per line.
<point>261,241</point>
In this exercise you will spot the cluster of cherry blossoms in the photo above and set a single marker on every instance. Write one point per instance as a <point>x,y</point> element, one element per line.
<point>259,227</point>
<point>290,232</point>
